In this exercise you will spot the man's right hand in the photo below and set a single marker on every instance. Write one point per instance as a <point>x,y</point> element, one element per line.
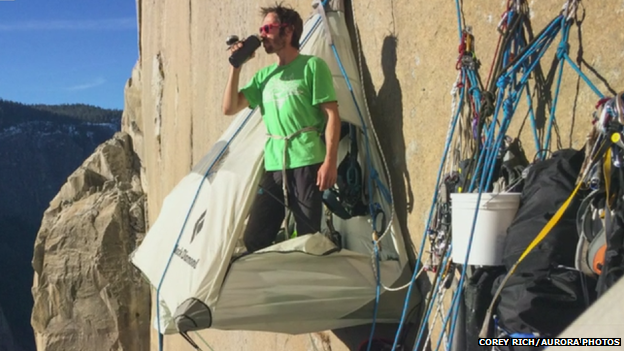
<point>238,45</point>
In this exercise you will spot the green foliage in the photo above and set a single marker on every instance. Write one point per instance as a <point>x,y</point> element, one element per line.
<point>14,113</point>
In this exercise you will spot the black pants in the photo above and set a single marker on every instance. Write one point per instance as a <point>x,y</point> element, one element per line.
<point>268,209</point>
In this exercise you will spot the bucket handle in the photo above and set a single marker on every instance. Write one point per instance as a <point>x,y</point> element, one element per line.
<point>492,198</point>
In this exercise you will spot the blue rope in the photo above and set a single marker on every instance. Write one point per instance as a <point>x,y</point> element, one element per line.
<point>364,129</point>
<point>582,75</point>
<point>487,145</point>
<point>532,118</point>
<point>509,107</point>
<point>455,299</point>
<point>455,302</point>
<point>508,111</point>
<point>544,40</point>
<point>561,50</point>
<point>307,37</point>
<point>459,26</point>
<point>434,295</point>
<point>488,149</point>
<point>456,296</point>
<point>529,59</point>
<point>431,210</point>
<point>521,44</point>
<point>490,153</point>
<point>383,190</point>
<point>547,35</point>
<point>372,176</point>
<point>370,189</point>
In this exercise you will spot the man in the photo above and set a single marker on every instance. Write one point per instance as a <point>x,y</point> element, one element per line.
<point>297,100</point>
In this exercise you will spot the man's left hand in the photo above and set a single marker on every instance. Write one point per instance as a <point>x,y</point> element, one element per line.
<point>327,175</point>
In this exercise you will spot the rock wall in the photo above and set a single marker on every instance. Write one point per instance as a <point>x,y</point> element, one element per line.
<point>87,295</point>
<point>36,156</point>
<point>409,49</point>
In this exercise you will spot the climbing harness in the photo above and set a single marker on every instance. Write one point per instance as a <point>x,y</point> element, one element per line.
<point>284,163</point>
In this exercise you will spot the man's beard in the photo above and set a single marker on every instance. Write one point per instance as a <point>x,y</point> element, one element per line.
<point>272,46</point>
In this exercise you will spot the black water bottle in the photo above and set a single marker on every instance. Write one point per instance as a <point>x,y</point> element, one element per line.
<point>241,55</point>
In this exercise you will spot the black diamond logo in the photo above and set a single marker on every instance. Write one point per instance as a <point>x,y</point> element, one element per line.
<point>198,225</point>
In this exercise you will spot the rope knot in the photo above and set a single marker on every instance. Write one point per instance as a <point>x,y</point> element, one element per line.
<point>476,92</point>
<point>508,104</point>
<point>562,50</point>
<point>503,81</point>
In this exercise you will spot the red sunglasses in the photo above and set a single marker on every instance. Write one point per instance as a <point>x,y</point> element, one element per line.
<point>267,27</point>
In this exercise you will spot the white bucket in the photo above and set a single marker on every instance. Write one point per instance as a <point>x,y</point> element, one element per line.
<point>496,212</point>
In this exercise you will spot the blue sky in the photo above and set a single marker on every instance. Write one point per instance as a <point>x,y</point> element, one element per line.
<point>67,51</point>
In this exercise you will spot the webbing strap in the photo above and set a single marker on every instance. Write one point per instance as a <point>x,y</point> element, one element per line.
<point>607,221</point>
<point>606,170</point>
<point>190,341</point>
<point>285,158</point>
<point>547,228</point>
<point>542,234</point>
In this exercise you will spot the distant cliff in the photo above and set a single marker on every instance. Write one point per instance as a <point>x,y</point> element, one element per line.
<point>40,146</point>
<point>87,295</point>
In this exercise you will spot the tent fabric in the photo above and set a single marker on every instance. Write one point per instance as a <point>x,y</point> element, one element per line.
<point>195,218</point>
<point>192,253</point>
<point>268,290</point>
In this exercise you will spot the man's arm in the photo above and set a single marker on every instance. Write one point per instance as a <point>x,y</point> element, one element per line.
<point>233,100</point>
<point>328,173</point>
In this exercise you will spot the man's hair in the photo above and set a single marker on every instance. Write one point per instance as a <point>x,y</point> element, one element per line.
<point>286,15</point>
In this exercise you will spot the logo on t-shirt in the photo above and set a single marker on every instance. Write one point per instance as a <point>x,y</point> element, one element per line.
<point>279,89</point>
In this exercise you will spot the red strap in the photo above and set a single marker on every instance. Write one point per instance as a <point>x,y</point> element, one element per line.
<point>602,101</point>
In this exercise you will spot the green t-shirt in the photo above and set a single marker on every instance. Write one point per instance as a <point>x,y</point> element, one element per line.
<point>289,98</point>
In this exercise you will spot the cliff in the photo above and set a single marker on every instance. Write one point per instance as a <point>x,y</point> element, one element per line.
<point>38,150</point>
<point>86,293</point>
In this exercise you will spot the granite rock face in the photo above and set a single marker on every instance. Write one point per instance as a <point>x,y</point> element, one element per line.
<point>87,295</point>
<point>36,157</point>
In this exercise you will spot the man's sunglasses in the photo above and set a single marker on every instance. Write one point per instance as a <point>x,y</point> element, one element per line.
<point>267,27</point>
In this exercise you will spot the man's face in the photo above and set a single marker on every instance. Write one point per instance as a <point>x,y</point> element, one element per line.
<point>270,32</point>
